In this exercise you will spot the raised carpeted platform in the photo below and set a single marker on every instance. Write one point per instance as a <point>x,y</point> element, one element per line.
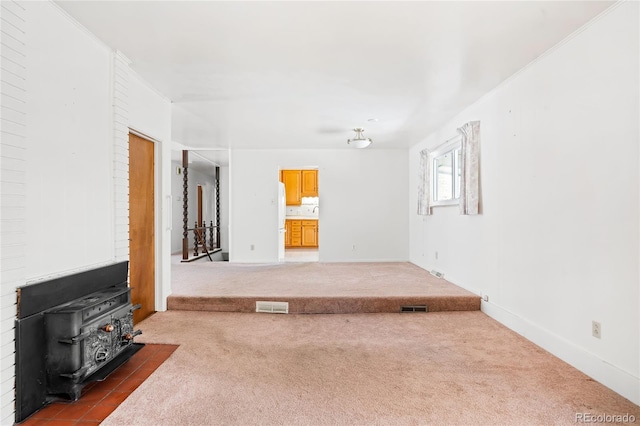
<point>314,288</point>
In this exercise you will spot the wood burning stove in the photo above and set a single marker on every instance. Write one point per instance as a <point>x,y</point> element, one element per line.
<point>71,331</point>
<point>84,335</point>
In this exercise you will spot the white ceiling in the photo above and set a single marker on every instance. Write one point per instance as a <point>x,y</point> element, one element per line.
<point>303,74</point>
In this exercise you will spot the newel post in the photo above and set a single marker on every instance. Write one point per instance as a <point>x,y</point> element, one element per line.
<point>185,204</point>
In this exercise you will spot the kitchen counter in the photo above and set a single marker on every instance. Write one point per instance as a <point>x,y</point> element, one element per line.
<point>301,217</point>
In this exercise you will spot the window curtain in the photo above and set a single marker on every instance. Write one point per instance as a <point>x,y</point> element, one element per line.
<point>469,179</point>
<point>424,184</point>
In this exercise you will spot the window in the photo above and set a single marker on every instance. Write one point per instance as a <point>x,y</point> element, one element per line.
<point>446,174</point>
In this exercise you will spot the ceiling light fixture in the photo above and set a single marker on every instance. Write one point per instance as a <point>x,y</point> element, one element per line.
<point>359,141</point>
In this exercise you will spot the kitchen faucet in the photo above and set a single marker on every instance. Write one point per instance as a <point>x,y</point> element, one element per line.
<point>314,209</point>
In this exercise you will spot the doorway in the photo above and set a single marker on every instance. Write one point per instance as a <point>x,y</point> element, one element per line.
<point>301,215</point>
<point>142,226</point>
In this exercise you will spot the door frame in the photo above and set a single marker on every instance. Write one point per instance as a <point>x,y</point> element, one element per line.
<point>157,217</point>
<point>317,168</point>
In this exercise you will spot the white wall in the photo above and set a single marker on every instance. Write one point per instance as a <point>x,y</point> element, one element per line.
<point>69,148</point>
<point>557,244</point>
<point>362,197</point>
<point>70,158</point>
<point>70,166</point>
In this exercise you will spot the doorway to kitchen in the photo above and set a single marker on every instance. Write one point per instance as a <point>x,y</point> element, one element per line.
<point>299,215</point>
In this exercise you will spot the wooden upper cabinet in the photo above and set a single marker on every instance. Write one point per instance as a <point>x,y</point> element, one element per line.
<point>292,180</point>
<point>309,183</point>
<point>298,184</point>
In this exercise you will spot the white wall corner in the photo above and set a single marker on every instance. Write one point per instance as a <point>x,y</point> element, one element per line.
<point>620,381</point>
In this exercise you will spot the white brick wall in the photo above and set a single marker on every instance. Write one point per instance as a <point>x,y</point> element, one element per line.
<point>12,189</point>
<point>121,154</point>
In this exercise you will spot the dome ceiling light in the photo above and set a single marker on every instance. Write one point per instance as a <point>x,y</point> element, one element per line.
<point>359,141</point>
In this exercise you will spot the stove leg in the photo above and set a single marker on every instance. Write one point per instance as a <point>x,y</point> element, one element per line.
<point>75,392</point>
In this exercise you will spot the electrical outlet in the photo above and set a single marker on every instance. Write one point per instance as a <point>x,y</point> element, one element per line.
<point>436,255</point>
<point>596,329</point>
<point>353,248</point>
<point>252,247</point>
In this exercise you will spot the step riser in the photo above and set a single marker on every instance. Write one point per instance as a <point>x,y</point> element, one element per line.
<point>319,305</point>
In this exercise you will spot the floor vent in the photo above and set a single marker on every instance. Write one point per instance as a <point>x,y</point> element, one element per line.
<point>414,308</point>
<point>436,273</point>
<point>273,307</point>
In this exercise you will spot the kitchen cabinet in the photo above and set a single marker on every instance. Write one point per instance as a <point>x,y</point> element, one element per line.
<point>309,233</point>
<point>298,184</point>
<point>294,231</point>
<point>301,233</point>
<point>309,179</point>
<point>292,180</point>
<point>287,233</point>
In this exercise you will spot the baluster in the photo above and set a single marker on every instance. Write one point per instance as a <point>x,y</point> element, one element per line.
<point>195,239</point>
<point>211,236</point>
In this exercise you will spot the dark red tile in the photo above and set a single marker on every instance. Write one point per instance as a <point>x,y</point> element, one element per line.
<point>147,350</point>
<point>143,373</point>
<point>160,356</point>
<point>135,363</point>
<point>94,396</point>
<point>60,423</point>
<point>98,413</point>
<point>73,411</point>
<point>115,398</point>
<point>34,422</point>
<point>49,412</point>
<point>118,376</point>
<point>153,363</point>
<point>129,385</point>
<point>108,384</point>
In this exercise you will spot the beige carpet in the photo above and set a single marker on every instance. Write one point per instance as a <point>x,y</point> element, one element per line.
<point>313,287</point>
<point>453,368</point>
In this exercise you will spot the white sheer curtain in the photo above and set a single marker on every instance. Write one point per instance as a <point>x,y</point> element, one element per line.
<point>424,184</point>
<point>469,182</point>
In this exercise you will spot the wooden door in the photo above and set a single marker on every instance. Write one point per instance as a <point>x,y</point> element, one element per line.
<point>141,226</point>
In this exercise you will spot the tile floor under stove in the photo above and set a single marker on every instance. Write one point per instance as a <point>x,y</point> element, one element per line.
<point>99,399</point>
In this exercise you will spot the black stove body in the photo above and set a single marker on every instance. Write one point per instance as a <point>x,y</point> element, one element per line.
<point>84,335</point>
<point>71,331</point>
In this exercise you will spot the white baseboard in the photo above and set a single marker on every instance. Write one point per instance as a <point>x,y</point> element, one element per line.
<point>598,369</point>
